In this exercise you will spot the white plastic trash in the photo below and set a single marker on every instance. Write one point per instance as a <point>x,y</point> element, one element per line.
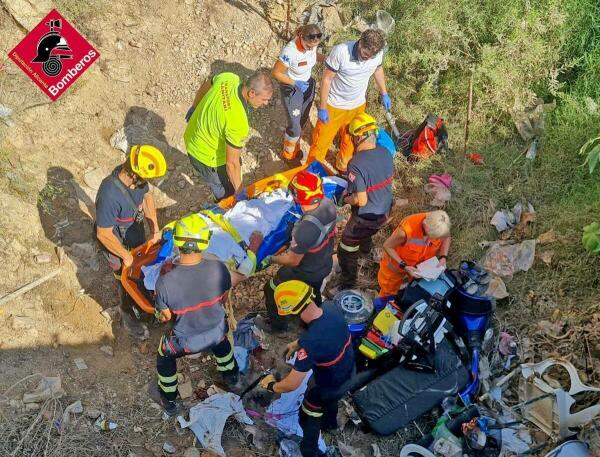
<point>384,22</point>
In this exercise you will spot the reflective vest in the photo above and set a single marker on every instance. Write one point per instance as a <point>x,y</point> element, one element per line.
<point>415,249</point>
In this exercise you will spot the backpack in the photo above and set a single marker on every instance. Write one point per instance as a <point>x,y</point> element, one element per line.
<point>429,138</point>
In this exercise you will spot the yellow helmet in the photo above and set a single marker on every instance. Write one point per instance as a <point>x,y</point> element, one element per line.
<point>362,124</point>
<point>192,233</point>
<point>292,297</point>
<point>147,161</point>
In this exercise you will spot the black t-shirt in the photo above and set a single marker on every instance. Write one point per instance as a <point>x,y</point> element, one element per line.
<point>326,348</point>
<point>195,295</point>
<point>372,171</point>
<point>115,210</point>
<point>318,256</point>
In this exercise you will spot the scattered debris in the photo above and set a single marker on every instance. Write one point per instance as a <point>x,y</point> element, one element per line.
<point>547,237</point>
<point>207,419</point>
<point>41,258</point>
<point>106,425</point>
<point>476,158</point>
<point>73,408</point>
<point>169,448</point>
<point>530,123</point>
<point>439,188</point>
<point>108,350</point>
<point>80,364</point>
<point>47,388</point>
<point>549,408</point>
<point>506,260</point>
<point>5,115</point>
<point>508,219</point>
<point>547,257</point>
<point>185,389</point>
<point>110,314</point>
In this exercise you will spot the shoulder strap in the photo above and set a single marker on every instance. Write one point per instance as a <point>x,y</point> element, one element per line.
<point>324,229</point>
<point>117,182</point>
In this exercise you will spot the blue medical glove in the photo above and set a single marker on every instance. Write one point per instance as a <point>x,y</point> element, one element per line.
<point>323,115</point>
<point>386,101</point>
<point>189,113</point>
<point>302,85</point>
<point>241,196</point>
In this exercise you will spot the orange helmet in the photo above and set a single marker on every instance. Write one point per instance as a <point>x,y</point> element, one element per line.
<point>306,188</point>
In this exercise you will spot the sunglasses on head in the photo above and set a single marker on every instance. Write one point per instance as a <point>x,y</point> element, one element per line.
<point>313,36</point>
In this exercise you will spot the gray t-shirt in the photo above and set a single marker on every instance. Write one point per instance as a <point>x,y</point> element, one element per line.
<point>195,295</point>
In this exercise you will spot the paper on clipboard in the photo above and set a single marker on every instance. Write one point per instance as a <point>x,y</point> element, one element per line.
<point>430,269</point>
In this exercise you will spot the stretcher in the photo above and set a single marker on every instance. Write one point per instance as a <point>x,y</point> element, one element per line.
<point>131,277</point>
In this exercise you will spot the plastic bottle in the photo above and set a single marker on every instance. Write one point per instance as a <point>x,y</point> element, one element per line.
<point>106,425</point>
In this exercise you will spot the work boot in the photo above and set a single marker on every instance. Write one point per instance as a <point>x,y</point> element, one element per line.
<point>134,328</point>
<point>171,408</point>
<point>232,381</point>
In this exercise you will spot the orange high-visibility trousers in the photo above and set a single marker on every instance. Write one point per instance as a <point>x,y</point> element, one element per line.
<point>390,279</point>
<point>324,134</point>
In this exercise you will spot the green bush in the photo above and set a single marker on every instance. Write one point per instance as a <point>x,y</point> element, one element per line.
<point>518,51</point>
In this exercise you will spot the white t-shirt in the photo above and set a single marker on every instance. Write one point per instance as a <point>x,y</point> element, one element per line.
<point>299,61</point>
<point>349,87</point>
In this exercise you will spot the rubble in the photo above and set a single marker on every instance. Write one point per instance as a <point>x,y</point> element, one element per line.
<point>48,387</point>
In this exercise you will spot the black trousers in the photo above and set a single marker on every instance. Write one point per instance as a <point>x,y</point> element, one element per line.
<point>169,350</point>
<point>357,238</point>
<point>297,106</point>
<point>286,274</point>
<point>216,178</point>
<point>133,237</point>
<point>319,413</point>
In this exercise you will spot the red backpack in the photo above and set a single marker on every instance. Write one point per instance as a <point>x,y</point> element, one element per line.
<point>429,138</point>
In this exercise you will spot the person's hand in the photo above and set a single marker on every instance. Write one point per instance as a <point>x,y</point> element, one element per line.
<point>189,113</point>
<point>443,262</point>
<point>267,382</point>
<point>241,195</point>
<point>412,271</point>
<point>386,101</point>
<point>323,115</point>
<point>302,86</point>
<point>128,260</point>
<point>291,349</point>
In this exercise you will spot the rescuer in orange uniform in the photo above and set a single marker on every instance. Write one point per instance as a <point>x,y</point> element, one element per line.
<point>419,237</point>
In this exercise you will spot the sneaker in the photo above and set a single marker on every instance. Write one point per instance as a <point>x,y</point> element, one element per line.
<point>134,328</point>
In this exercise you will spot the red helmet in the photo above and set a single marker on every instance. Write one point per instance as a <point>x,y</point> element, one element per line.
<point>306,188</point>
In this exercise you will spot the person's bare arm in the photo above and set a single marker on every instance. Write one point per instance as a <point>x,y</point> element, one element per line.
<point>202,91</point>
<point>288,258</point>
<point>290,383</point>
<point>389,245</point>
<point>280,73</point>
<point>328,76</point>
<point>379,76</point>
<point>357,199</point>
<point>111,242</point>
<point>234,168</point>
<point>445,249</point>
<point>149,207</point>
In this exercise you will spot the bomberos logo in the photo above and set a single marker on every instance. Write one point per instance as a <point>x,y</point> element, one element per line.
<point>54,55</point>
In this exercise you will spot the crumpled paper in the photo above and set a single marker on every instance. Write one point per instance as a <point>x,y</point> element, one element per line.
<point>439,188</point>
